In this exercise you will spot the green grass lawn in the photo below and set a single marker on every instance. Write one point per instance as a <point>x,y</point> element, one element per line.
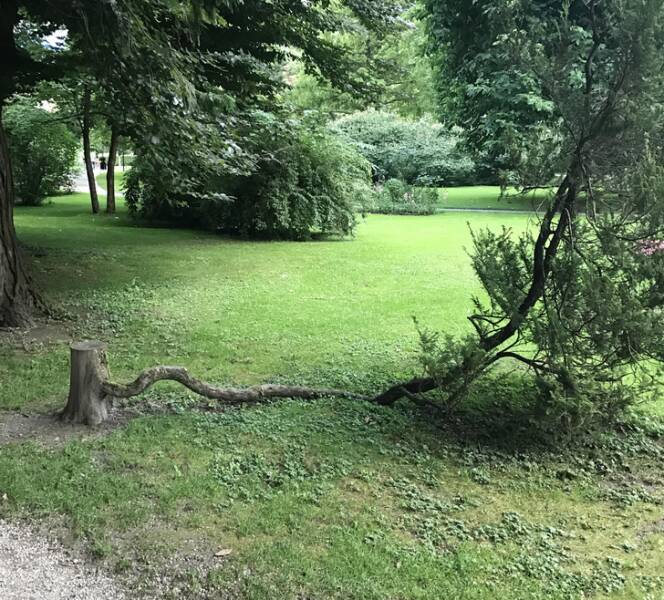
<point>331,499</point>
<point>245,311</point>
<point>119,177</point>
<point>489,197</point>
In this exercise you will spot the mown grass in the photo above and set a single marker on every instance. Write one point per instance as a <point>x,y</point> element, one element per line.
<point>347,500</point>
<point>489,197</point>
<point>331,499</point>
<point>337,311</point>
<point>119,179</point>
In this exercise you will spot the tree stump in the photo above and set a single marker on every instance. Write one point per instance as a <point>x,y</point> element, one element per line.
<point>91,393</point>
<point>88,403</point>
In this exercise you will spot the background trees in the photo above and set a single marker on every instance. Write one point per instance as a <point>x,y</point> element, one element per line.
<point>419,152</point>
<point>103,39</point>
<point>390,64</point>
<point>187,77</point>
<point>301,181</point>
<point>244,162</point>
<point>43,151</point>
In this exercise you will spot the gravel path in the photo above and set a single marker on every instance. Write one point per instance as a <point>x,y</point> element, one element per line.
<point>81,183</point>
<point>34,568</point>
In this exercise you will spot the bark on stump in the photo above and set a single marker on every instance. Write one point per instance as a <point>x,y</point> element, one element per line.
<point>88,403</point>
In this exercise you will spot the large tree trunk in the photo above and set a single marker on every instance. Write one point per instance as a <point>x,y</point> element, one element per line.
<point>110,173</point>
<point>87,154</point>
<point>17,299</point>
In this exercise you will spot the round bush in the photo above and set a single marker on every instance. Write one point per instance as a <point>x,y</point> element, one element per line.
<point>303,182</point>
<point>416,152</point>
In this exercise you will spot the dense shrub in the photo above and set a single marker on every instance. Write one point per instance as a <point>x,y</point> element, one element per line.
<point>305,180</point>
<point>395,197</point>
<point>174,168</point>
<point>417,152</point>
<point>42,151</point>
<point>593,341</point>
<point>302,181</point>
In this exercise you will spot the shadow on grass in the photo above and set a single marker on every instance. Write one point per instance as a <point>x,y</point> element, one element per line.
<point>505,414</point>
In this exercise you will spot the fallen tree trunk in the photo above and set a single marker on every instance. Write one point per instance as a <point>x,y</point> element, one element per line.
<point>91,393</point>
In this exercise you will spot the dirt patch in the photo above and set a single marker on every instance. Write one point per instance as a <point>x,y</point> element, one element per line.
<point>49,431</point>
<point>171,563</point>
<point>650,482</point>
<point>654,528</point>
<point>43,333</point>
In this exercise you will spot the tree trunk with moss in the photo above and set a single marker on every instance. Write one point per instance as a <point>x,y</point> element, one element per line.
<point>17,298</point>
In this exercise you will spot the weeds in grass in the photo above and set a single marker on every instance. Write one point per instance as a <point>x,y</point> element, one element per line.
<point>332,499</point>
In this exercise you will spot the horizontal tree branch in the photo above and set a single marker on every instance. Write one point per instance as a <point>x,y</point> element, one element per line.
<point>418,385</point>
<point>229,395</point>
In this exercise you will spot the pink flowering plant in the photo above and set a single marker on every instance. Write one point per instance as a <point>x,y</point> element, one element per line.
<point>650,247</point>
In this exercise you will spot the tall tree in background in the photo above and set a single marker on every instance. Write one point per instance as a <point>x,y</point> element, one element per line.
<point>392,63</point>
<point>110,166</point>
<point>243,51</point>
<point>86,129</point>
<point>92,114</point>
<point>138,51</point>
<point>571,92</point>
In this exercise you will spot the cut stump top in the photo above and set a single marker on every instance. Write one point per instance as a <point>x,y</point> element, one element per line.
<point>88,345</point>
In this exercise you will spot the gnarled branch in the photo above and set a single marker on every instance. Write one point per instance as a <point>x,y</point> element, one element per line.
<point>230,395</point>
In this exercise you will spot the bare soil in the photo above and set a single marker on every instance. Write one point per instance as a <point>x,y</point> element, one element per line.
<point>49,431</point>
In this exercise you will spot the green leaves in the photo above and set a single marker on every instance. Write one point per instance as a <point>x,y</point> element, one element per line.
<point>298,181</point>
<point>417,152</point>
<point>42,150</point>
<point>565,91</point>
